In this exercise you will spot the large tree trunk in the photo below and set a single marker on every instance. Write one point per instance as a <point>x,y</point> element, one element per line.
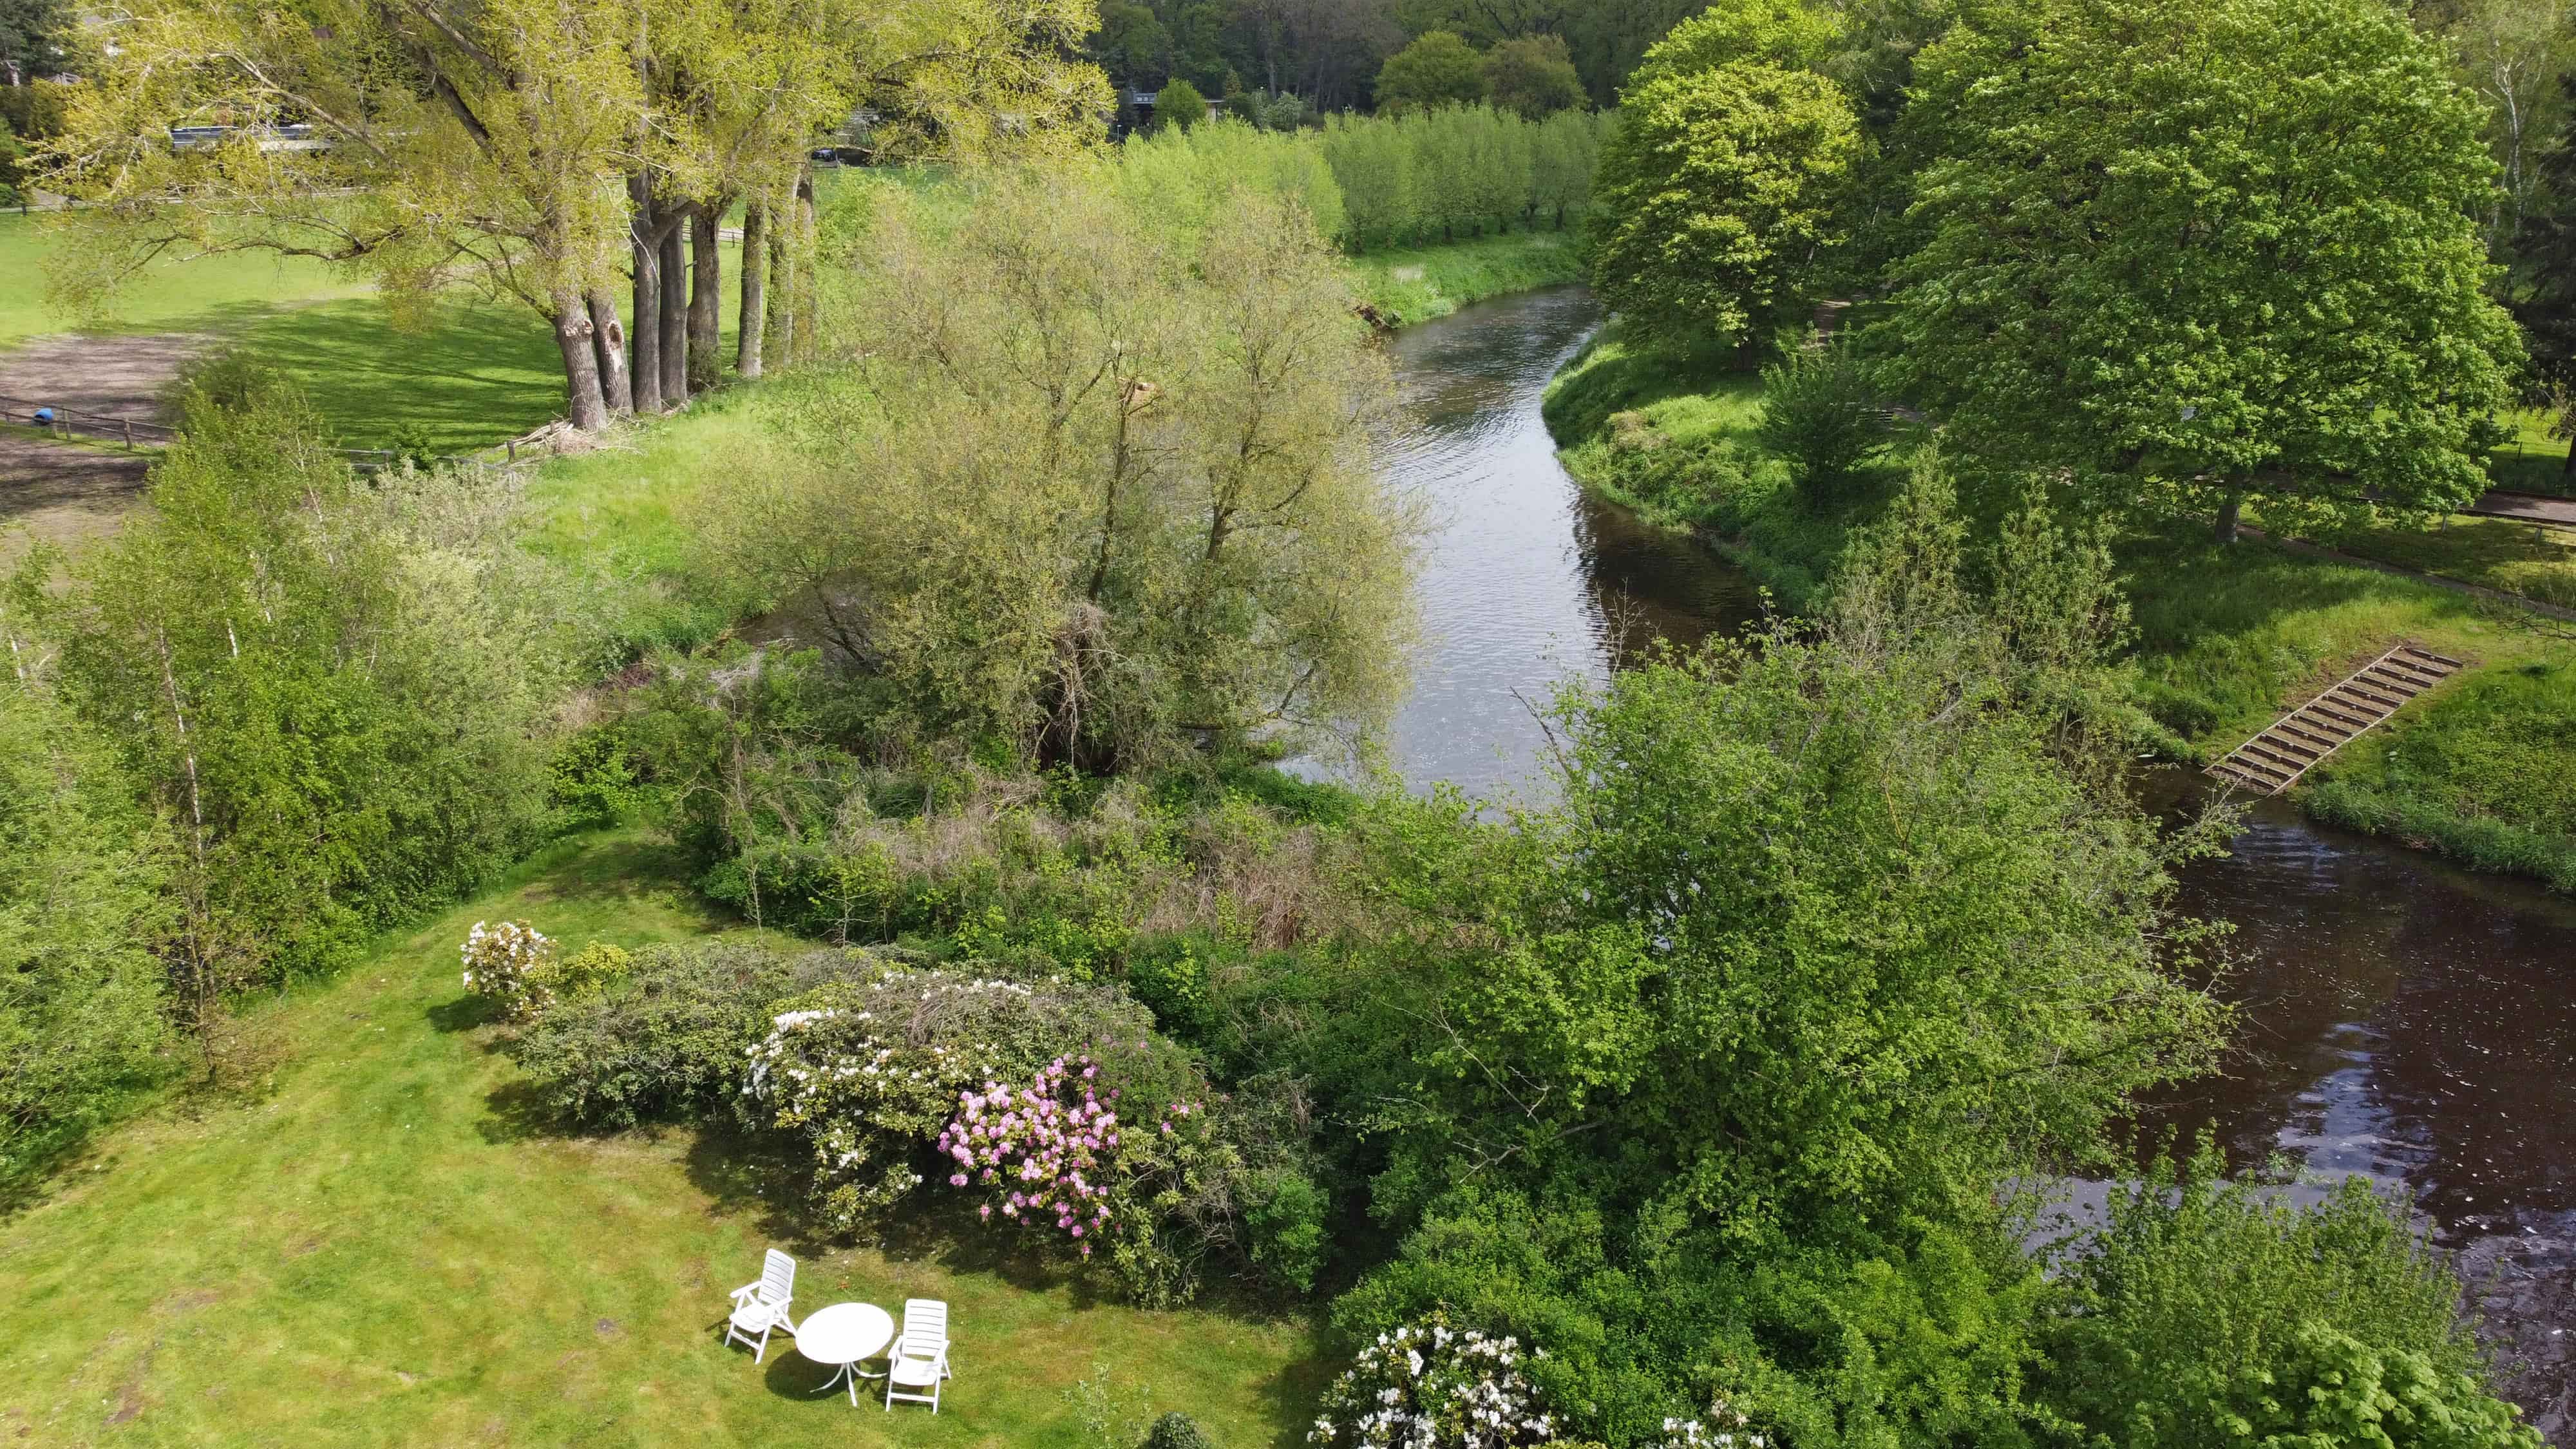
<point>706,310</point>
<point>809,300</point>
<point>644,350</point>
<point>782,286</point>
<point>2227,512</point>
<point>609,336</point>
<point>587,405</point>
<point>675,314</point>
<point>755,273</point>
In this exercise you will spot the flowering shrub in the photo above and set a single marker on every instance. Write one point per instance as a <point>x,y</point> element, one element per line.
<point>866,1093</point>
<point>1723,1427</point>
<point>1429,1386</point>
<point>504,962</point>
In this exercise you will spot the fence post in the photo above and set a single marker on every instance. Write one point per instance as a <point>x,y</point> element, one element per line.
<point>129,434</point>
<point>513,446</point>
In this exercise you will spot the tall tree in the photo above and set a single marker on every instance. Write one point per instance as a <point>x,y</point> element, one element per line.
<point>1532,76</point>
<point>2216,251</point>
<point>2513,54</point>
<point>446,144</point>
<point>1437,69</point>
<point>1713,211</point>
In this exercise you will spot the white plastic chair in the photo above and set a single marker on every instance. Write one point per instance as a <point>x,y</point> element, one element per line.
<point>919,1359</point>
<point>762,1306</point>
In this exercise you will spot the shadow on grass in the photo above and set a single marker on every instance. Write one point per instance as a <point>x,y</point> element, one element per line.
<point>479,372</point>
<point>463,1014</point>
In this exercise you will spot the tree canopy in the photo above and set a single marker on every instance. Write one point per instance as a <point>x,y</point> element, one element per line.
<point>2214,251</point>
<point>1437,69</point>
<point>1714,204</point>
<point>1533,75</point>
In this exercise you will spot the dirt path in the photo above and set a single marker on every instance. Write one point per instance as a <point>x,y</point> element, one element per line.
<point>67,493</point>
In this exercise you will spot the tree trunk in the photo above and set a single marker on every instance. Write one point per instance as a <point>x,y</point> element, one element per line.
<point>675,314</point>
<point>706,283</point>
<point>755,273</point>
<point>809,301</point>
<point>2227,512</point>
<point>609,336</point>
<point>644,350</point>
<point>587,405</point>
<point>782,286</point>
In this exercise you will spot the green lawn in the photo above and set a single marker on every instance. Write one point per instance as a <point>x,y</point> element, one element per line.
<point>477,371</point>
<point>1420,283</point>
<point>377,1245</point>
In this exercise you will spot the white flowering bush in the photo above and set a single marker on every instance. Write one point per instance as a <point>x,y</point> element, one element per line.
<point>1723,1427</point>
<point>507,961</point>
<point>1430,1386</point>
<point>857,1077</point>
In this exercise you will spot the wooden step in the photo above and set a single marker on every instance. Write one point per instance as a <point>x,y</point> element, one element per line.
<point>2276,757</point>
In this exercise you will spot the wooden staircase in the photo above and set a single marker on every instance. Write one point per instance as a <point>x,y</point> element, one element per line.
<point>2273,761</point>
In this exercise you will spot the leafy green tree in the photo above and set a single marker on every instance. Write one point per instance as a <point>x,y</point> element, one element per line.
<point>2205,1308</point>
<point>1533,76</point>
<point>36,39</point>
<point>1819,411</point>
<point>1791,34</point>
<point>1437,69</point>
<point>1787,876</point>
<point>13,167</point>
<point>1179,106</point>
<point>331,692</point>
<point>2213,252</point>
<point>82,872</point>
<point>1715,199</point>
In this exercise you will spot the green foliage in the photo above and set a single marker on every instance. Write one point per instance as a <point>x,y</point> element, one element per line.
<point>13,166</point>
<point>1920,1341</point>
<point>2207,1313</point>
<point>329,690</point>
<point>1179,106</point>
<point>1436,69</point>
<point>1459,169</point>
<point>1819,412</point>
<point>81,907</point>
<point>1788,874</point>
<point>1791,34</point>
<point>2143,265</point>
<point>1177,1431</point>
<point>1532,76</point>
<point>1116,490</point>
<point>1715,199</point>
<point>665,1040</point>
<point>1186,180</point>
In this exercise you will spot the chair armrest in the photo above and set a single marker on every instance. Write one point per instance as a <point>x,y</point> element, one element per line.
<point>745,1291</point>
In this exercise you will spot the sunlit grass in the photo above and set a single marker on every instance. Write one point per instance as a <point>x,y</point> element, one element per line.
<point>378,1245</point>
<point>1420,283</point>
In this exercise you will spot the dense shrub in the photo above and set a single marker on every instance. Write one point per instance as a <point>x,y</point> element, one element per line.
<point>82,995</point>
<point>1177,1431</point>
<point>502,963</point>
<point>668,1038</point>
<point>1819,412</point>
<point>339,688</point>
<point>2204,1307</point>
<point>1428,1384</point>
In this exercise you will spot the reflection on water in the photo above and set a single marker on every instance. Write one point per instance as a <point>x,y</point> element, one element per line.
<point>1526,581</point>
<point>2401,1019</point>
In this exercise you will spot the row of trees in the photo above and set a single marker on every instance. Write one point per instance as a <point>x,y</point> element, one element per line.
<point>1334,52</point>
<point>2184,253</point>
<point>540,148</point>
<point>1459,168</point>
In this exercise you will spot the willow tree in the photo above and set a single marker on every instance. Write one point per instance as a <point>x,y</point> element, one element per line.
<point>428,142</point>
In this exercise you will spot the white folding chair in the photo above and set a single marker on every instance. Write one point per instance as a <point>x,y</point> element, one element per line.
<point>919,1359</point>
<point>762,1306</point>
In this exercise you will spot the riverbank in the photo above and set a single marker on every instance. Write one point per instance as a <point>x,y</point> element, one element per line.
<point>1417,284</point>
<point>2227,637</point>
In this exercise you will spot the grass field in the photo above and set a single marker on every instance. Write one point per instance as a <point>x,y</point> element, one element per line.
<point>374,1243</point>
<point>480,369</point>
<point>1420,283</point>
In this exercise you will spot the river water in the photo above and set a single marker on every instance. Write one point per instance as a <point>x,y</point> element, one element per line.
<point>2400,1019</point>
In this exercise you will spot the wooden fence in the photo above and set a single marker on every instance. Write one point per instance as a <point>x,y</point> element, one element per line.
<point>69,423</point>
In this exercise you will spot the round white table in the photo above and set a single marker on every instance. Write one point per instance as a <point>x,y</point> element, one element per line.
<point>843,1336</point>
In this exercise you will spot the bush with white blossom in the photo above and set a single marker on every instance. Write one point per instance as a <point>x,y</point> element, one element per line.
<point>506,961</point>
<point>1430,1386</point>
<point>1724,1426</point>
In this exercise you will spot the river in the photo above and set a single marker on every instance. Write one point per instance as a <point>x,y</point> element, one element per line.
<point>2400,1019</point>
